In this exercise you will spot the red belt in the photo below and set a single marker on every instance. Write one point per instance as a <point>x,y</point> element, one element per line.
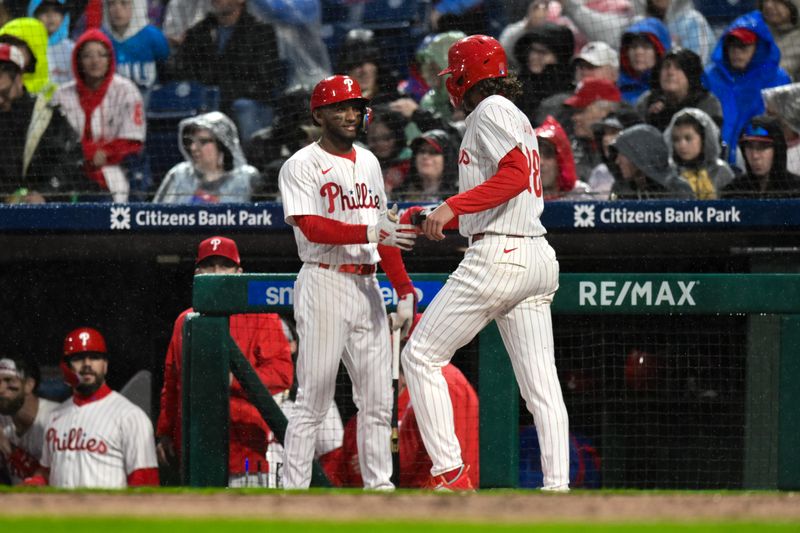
<point>361,270</point>
<point>479,236</point>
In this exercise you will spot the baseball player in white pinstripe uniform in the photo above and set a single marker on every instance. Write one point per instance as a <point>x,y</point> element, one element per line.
<point>97,438</point>
<point>333,195</point>
<point>509,272</point>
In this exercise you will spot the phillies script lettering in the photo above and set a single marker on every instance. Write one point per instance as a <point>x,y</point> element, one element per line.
<point>74,441</point>
<point>359,198</point>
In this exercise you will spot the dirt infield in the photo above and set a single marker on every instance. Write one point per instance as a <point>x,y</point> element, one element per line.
<point>486,506</point>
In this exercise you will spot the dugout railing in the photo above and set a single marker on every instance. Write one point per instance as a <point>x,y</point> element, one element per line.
<point>767,306</point>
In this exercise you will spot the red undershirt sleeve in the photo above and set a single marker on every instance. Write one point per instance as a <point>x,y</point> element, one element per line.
<point>324,230</point>
<point>392,264</point>
<point>511,178</point>
<point>144,477</point>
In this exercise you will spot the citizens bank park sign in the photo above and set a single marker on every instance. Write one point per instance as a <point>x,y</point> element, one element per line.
<point>558,216</point>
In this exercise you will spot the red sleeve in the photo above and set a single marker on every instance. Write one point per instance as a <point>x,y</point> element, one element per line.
<point>168,417</point>
<point>350,470</point>
<point>261,339</point>
<point>465,418</point>
<point>392,264</point>
<point>119,149</point>
<point>115,150</point>
<point>331,463</point>
<point>512,177</point>
<point>324,230</point>
<point>415,465</point>
<point>144,477</point>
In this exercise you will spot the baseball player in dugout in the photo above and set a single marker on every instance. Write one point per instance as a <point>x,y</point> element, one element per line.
<point>23,416</point>
<point>509,273</point>
<point>97,438</point>
<point>262,341</point>
<point>333,195</point>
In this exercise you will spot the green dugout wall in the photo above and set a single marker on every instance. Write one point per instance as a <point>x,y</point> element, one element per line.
<point>771,302</point>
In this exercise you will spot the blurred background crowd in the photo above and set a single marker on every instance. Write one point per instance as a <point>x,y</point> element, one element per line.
<point>201,101</point>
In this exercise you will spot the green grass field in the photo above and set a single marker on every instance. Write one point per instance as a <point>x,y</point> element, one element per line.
<point>137,525</point>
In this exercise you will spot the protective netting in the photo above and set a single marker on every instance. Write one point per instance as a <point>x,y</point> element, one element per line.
<point>596,68</point>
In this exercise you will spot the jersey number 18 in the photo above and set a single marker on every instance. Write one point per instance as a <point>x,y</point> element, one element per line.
<point>533,169</point>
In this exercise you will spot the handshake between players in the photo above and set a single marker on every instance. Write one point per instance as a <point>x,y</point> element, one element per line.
<point>402,231</point>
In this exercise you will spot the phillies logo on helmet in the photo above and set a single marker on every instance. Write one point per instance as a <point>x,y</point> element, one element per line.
<point>215,244</point>
<point>349,83</point>
<point>84,337</point>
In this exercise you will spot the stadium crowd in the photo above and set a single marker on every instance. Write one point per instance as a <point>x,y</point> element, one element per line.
<point>180,101</point>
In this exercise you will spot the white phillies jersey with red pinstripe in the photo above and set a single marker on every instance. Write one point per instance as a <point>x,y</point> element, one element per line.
<point>119,116</point>
<point>315,182</point>
<point>494,128</point>
<point>98,444</point>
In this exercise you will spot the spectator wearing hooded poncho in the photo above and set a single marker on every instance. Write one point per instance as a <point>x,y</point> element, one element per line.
<point>544,55</point>
<point>644,44</point>
<point>766,176</point>
<point>432,59</point>
<point>602,178</point>
<point>783,103</point>
<point>215,170</point>
<point>557,166</point>
<point>30,35</point>
<point>694,147</point>
<point>744,61</point>
<point>53,14</point>
<point>645,172</point>
<point>138,45</point>
<point>676,84</point>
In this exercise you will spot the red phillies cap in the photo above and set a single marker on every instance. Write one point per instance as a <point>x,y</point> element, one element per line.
<point>218,246</point>
<point>744,35</point>
<point>591,90</point>
<point>12,54</point>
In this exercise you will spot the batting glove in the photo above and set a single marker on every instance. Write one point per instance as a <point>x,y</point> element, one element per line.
<point>389,232</point>
<point>404,316</point>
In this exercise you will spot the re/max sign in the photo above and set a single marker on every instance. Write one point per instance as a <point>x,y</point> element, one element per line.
<point>644,293</point>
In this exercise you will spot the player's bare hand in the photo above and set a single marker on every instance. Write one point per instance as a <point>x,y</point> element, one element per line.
<point>389,232</point>
<point>404,106</point>
<point>100,158</point>
<point>434,222</point>
<point>165,450</point>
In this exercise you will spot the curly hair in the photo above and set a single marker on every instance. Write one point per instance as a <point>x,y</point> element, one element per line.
<point>510,87</point>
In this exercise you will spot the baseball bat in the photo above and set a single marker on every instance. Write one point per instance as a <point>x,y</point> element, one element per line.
<point>395,385</point>
<point>418,218</point>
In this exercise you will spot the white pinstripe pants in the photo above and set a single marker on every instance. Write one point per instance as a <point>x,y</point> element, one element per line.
<point>341,317</point>
<point>512,281</point>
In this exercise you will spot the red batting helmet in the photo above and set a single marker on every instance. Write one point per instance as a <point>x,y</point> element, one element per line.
<point>77,341</point>
<point>335,89</point>
<point>470,60</point>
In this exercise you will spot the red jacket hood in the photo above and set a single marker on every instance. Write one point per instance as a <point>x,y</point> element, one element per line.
<point>93,35</point>
<point>551,130</point>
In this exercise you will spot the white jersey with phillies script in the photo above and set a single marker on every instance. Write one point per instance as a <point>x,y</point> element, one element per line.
<point>315,182</point>
<point>98,444</point>
<point>32,440</point>
<point>494,128</point>
<point>119,116</point>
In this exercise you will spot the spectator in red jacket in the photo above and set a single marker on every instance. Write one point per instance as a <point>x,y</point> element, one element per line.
<point>261,339</point>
